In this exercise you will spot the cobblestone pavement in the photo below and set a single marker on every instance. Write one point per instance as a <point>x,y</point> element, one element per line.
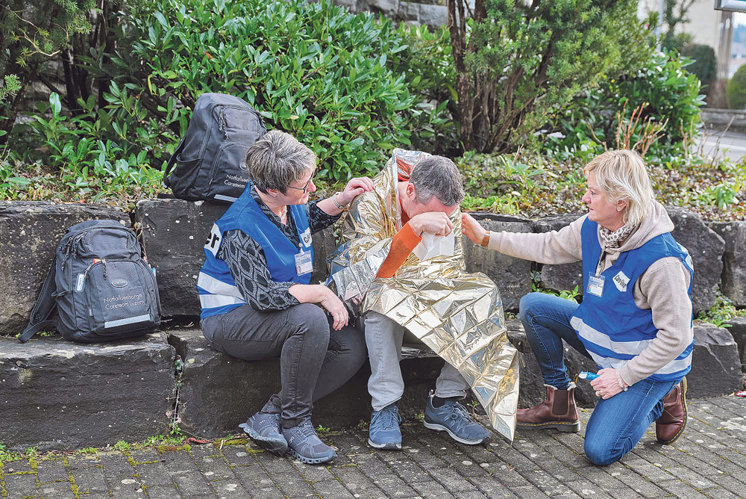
<point>709,460</point>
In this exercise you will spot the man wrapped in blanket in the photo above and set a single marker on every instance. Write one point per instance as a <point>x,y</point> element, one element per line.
<point>402,263</point>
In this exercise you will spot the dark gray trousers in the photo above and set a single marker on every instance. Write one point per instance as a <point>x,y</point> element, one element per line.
<point>314,359</point>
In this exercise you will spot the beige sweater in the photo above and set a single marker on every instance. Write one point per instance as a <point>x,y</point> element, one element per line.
<point>662,288</point>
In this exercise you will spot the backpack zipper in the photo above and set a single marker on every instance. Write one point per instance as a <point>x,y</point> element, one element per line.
<point>222,124</point>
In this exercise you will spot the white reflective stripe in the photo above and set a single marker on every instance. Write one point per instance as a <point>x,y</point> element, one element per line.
<point>128,320</point>
<point>216,286</point>
<point>674,366</point>
<point>212,301</point>
<point>598,338</point>
<point>221,197</point>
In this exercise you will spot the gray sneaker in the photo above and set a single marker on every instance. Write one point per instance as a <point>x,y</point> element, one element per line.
<point>306,446</point>
<point>456,420</point>
<point>264,429</point>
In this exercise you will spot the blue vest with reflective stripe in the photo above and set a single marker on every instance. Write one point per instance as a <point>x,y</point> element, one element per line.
<point>612,327</point>
<point>217,290</point>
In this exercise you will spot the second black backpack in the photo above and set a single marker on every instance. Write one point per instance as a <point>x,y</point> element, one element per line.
<point>102,288</point>
<point>210,157</point>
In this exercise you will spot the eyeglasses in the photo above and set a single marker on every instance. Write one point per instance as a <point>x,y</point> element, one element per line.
<point>305,187</point>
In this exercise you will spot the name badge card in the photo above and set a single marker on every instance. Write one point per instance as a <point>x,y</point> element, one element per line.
<point>596,285</point>
<point>303,262</point>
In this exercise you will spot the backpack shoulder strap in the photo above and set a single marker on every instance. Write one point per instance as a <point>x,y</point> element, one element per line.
<point>43,308</point>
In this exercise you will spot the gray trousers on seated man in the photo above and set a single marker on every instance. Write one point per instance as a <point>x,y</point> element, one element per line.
<point>384,339</point>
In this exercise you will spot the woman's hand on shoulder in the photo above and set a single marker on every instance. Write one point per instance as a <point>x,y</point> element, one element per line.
<point>472,229</point>
<point>354,188</point>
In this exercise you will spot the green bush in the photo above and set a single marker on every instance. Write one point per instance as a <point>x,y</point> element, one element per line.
<point>33,33</point>
<point>662,88</point>
<point>704,65</point>
<point>310,69</point>
<point>427,65</point>
<point>90,155</point>
<point>519,63</point>
<point>736,89</point>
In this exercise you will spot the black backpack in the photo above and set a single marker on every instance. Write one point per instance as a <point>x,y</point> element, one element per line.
<point>210,157</point>
<point>101,286</point>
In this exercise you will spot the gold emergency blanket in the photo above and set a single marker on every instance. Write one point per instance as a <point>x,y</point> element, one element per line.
<point>456,314</point>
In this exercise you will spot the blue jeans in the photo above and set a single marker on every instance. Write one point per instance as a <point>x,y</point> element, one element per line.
<point>617,423</point>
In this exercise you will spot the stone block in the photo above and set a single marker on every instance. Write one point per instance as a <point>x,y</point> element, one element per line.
<point>173,235</point>
<point>31,231</point>
<point>388,8</point>
<point>565,276</point>
<point>738,330</point>
<point>512,275</point>
<point>706,248</point>
<point>408,11</point>
<point>733,281</point>
<point>219,392</point>
<point>716,367</point>
<point>433,16</point>
<point>532,383</point>
<point>56,394</point>
<point>351,5</point>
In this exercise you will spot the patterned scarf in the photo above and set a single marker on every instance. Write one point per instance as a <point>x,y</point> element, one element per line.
<point>614,239</point>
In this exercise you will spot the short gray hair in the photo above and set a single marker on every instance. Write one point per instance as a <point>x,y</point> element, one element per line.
<point>437,176</point>
<point>622,175</point>
<point>277,159</point>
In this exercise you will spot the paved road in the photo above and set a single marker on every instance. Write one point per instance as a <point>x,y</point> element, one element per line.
<point>724,144</point>
<point>709,460</point>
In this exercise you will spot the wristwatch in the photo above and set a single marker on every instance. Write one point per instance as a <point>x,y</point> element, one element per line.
<point>485,239</point>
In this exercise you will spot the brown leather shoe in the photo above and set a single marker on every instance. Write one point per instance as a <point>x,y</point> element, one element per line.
<point>558,411</point>
<point>670,425</point>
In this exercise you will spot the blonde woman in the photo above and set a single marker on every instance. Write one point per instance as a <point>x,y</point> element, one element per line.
<point>635,320</point>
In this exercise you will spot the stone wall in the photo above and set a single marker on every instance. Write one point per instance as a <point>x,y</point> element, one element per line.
<point>173,232</point>
<point>432,15</point>
<point>56,394</point>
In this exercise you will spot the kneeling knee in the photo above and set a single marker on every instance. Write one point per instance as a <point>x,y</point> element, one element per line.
<point>600,455</point>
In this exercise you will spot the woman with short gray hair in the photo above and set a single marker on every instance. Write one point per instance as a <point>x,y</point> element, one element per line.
<point>635,320</point>
<point>257,299</point>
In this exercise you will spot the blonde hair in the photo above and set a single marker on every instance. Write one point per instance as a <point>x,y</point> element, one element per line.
<point>623,176</point>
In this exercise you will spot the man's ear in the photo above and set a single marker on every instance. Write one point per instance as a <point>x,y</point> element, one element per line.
<point>411,194</point>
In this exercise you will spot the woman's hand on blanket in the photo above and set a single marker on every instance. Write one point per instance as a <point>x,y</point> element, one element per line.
<point>354,188</point>
<point>336,308</point>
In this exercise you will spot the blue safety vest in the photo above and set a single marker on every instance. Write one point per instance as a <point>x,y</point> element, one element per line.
<point>217,290</point>
<point>612,327</point>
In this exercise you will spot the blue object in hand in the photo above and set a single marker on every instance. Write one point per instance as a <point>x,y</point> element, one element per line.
<point>587,375</point>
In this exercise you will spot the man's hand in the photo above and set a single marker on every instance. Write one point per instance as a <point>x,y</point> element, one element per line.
<point>354,188</point>
<point>472,229</point>
<point>336,308</point>
<point>432,222</point>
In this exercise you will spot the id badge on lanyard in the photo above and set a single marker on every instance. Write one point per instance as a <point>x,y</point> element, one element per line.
<point>303,262</point>
<point>595,285</point>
